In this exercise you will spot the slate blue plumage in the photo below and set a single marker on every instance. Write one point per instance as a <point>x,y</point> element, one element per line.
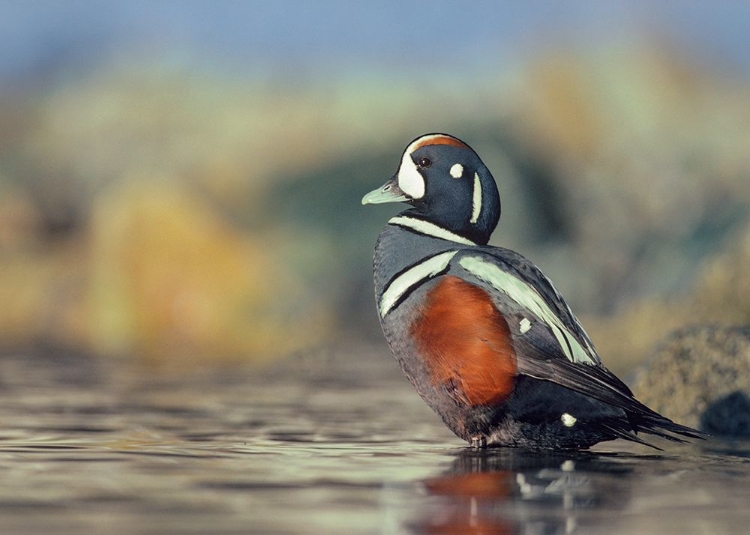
<point>483,336</point>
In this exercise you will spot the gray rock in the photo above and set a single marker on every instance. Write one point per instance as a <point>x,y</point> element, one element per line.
<point>728,416</point>
<point>700,376</point>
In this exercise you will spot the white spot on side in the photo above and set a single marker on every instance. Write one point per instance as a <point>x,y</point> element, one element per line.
<point>430,229</point>
<point>567,466</point>
<point>411,277</point>
<point>457,171</point>
<point>476,201</point>
<point>410,181</point>
<point>529,298</point>
<point>525,325</point>
<point>568,420</point>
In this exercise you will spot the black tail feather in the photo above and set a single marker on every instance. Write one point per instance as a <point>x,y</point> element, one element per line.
<point>629,436</point>
<point>599,383</point>
<point>652,423</point>
<point>656,424</point>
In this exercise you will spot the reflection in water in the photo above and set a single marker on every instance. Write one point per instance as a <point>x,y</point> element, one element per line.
<point>469,508</point>
<point>332,445</point>
<point>515,491</point>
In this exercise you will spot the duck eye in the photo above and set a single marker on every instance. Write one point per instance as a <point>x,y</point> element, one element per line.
<point>424,162</point>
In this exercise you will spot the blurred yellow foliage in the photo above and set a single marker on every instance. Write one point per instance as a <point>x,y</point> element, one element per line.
<point>117,189</point>
<point>172,279</point>
<point>160,275</point>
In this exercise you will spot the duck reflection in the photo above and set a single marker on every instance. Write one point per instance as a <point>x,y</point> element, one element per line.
<point>513,491</point>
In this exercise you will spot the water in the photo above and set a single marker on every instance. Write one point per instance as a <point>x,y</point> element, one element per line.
<point>326,443</point>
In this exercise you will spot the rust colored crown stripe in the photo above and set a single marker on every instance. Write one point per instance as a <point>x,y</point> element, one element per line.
<point>435,139</point>
<point>440,139</point>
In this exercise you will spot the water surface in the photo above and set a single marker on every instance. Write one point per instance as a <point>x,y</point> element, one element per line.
<point>325,443</point>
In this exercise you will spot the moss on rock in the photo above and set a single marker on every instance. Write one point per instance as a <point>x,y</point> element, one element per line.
<point>694,368</point>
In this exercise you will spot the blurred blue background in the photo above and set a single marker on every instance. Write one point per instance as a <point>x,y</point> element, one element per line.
<point>312,39</point>
<point>180,181</point>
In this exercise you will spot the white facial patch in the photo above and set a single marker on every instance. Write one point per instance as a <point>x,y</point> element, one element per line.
<point>415,275</point>
<point>568,420</point>
<point>476,201</point>
<point>457,170</point>
<point>409,179</point>
<point>529,298</point>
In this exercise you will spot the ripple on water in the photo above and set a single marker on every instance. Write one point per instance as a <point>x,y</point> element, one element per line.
<point>346,447</point>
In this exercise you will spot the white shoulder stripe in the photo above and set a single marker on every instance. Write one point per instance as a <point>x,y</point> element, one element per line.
<point>417,274</point>
<point>476,201</point>
<point>430,229</point>
<point>529,298</point>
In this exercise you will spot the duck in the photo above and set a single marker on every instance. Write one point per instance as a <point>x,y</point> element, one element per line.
<point>483,336</point>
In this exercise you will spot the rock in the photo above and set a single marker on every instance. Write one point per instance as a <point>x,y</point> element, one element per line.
<point>728,416</point>
<point>720,294</point>
<point>697,375</point>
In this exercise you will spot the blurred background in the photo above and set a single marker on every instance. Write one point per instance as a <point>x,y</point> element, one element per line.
<point>180,182</point>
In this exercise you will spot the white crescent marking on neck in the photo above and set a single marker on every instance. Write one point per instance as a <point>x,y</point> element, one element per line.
<point>430,229</point>
<point>476,201</point>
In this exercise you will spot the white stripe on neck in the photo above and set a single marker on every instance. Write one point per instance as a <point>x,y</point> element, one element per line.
<point>476,204</point>
<point>430,229</point>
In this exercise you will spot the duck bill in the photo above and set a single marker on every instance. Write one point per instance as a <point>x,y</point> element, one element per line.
<point>389,192</point>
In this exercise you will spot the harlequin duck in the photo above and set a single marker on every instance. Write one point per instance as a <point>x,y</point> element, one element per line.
<point>482,335</point>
